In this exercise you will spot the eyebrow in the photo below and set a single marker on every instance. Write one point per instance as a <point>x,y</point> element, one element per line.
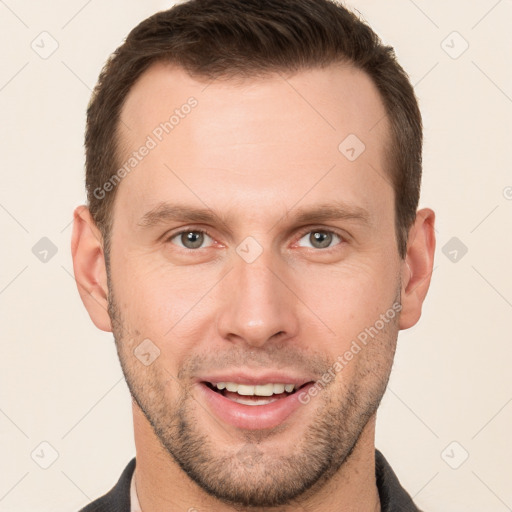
<point>166,212</point>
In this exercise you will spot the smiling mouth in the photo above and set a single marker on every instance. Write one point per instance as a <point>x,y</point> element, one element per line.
<point>248,394</point>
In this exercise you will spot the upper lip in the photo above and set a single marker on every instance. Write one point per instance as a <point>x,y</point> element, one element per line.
<point>256,379</point>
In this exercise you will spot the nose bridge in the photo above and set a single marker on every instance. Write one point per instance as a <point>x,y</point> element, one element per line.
<point>258,305</point>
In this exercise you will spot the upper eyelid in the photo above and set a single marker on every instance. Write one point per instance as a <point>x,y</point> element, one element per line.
<point>322,230</point>
<point>187,230</point>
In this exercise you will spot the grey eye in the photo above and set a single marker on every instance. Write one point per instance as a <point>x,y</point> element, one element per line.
<point>319,239</point>
<point>192,239</point>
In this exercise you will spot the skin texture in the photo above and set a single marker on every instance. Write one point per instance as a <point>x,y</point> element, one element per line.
<point>255,152</point>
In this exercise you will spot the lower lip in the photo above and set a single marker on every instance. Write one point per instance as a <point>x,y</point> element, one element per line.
<point>252,417</point>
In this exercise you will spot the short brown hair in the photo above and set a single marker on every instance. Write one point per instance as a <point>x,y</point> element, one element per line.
<point>250,38</point>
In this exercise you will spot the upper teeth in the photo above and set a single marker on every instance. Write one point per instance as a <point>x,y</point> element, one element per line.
<point>258,390</point>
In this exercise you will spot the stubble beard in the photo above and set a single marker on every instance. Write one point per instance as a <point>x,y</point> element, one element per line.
<point>246,475</point>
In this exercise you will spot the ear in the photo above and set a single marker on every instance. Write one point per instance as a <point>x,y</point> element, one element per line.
<point>417,267</point>
<point>89,267</point>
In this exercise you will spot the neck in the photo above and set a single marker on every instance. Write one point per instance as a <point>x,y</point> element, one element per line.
<point>162,485</point>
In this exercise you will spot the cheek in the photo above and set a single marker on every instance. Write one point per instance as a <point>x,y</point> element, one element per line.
<point>348,298</point>
<point>160,301</point>
<point>364,354</point>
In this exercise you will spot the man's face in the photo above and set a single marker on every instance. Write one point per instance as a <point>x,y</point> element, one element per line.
<point>261,293</point>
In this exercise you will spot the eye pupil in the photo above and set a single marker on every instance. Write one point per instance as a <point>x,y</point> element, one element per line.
<point>323,238</point>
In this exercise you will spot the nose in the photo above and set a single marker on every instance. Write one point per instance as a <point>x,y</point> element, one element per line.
<point>258,307</point>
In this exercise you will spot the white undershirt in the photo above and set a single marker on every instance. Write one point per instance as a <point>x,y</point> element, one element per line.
<point>134,500</point>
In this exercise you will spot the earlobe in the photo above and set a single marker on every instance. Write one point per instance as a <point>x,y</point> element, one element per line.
<point>417,267</point>
<point>89,267</point>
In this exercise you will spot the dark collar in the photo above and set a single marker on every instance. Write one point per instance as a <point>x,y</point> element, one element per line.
<point>393,497</point>
<point>118,498</point>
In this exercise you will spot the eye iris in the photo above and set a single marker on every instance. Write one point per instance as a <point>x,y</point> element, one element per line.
<point>323,238</point>
<point>192,239</point>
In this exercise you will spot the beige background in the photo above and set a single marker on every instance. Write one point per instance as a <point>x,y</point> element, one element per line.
<point>60,381</point>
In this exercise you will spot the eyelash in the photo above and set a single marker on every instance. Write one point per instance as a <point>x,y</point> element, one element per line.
<point>303,232</point>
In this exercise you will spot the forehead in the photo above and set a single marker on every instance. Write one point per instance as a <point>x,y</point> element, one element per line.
<point>262,141</point>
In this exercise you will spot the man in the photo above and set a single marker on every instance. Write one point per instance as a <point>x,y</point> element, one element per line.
<point>253,242</point>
